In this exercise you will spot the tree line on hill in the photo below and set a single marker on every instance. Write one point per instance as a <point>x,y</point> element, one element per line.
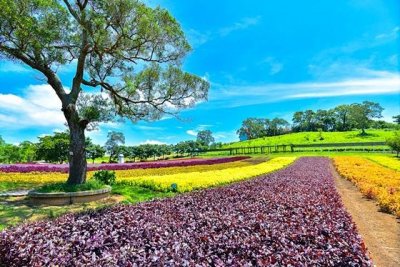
<point>341,118</point>
<point>55,148</point>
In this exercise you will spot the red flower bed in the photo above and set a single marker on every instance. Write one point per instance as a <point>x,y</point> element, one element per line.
<point>291,217</point>
<point>116,166</point>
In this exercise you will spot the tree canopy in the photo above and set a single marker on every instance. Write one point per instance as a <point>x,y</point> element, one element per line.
<point>205,137</point>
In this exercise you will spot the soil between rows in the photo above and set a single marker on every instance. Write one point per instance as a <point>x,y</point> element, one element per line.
<point>380,231</point>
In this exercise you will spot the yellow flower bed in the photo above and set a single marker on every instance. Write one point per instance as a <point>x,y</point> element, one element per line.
<point>196,180</point>
<point>55,177</point>
<point>373,180</point>
<point>387,161</point>
<point>174,170</point>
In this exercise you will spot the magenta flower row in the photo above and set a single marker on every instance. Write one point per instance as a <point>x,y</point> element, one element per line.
<point>116,166</point>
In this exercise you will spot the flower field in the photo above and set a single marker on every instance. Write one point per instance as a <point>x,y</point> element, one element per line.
<point>373,180</point>
<point>22,168</point>
<point>186,182</point>
<point>390,162</point>
<point>54,177</point>
<point>290,217</point>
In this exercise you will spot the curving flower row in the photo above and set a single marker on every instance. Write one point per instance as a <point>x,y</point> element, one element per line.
<point>115,166</point>
<point>185,182</point>
<point>387,161</point>
<point>55,177</point>
<point>373,180</point>
<point>293,217</point>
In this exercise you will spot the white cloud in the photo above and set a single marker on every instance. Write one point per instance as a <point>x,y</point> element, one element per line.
<point>240,25</point>
<point>391,35</point>
<point>191,132</point>
<point>197,38</point>
<point>148,128</point>
<point>39,106</point>
<point>274,66</point>
<point>152,142</point>
<point>372,82</point>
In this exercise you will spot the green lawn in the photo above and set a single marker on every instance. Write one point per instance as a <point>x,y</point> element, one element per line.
<point>314,138</point>
<point>15,210</point>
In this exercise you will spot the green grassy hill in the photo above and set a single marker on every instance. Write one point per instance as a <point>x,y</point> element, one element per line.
<point>314,138</point>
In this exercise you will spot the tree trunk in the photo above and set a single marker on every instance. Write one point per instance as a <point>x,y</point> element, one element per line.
<point>77,154</point>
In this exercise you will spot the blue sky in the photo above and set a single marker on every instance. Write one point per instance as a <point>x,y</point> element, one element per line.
<point>262,58</point>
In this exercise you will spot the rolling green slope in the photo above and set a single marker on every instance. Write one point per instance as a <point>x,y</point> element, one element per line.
<point>314,138</point>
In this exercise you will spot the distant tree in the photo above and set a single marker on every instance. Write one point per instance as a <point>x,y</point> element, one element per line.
<point>54,148</point>
<point>342,114</point>
<point>107,40</point>
<point>205,137</point>
<point>394,142</point>
<point>325,120</point>
<point>396,119</point>
<point>362,114</point>
<point>252,128</point>
<point>28,151</point>
<point>276,126</point>
<point>310,121</point>
<point>11,153</point>
<point>114,140</point>
<point>94,151</point>
<point>298,121</point>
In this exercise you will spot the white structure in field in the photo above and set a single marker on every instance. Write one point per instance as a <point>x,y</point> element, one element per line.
<point>121,158</point>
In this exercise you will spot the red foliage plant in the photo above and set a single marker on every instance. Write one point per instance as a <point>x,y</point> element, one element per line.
<point>292,217</point>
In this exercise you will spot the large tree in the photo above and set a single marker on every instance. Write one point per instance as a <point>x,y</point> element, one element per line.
<point>252,128</point>
<point>130,52</point>
<point>362,114</point>
<point>205,137</point>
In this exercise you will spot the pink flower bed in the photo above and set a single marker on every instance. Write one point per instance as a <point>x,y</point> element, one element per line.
<point>293,217</point>
<point>116,166</point>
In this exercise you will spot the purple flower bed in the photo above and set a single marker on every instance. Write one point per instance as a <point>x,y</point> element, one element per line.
<point>116,166</point>
<point>291,217</point>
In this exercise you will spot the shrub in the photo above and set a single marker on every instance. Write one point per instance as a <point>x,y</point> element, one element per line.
<point>63,187</point>
<point>106,177</point>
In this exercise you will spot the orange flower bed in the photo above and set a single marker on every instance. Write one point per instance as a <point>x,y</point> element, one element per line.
<point>373,180</point>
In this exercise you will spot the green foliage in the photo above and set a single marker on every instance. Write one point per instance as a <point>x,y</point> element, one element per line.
<point>105,177</point>
<point>251,128</point>
<point>28,151</point>
<point>362,114</point>
<point>53,148</point>
<point>396,119</point>
<point>187,147</point>
<point>92,184</point>
<point>394,142</point>
<point>94,151</point>
<point>205,137</point>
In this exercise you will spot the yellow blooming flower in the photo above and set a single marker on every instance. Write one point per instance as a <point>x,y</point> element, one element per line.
<point>373,180</point>
<point>196,180</point>
<point>387,161</point>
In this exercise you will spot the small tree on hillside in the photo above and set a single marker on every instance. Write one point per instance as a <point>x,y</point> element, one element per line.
<point>362,114</point>
<point>130,52</point>
<point>394,142</point>
<point>205,138</point>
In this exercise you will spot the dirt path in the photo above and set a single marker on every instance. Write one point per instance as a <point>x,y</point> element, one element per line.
<point>380,231</point>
